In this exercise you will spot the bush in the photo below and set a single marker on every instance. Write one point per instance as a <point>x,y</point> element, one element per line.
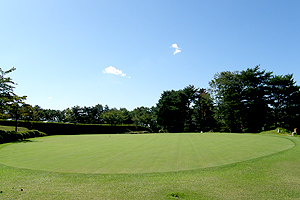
<point>137,132</point>
<point>11,136</point>
<point>163,131</point>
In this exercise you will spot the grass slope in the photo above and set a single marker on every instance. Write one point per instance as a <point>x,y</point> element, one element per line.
<point>276,176</point>
<point>12,128</point>
<point>144,153</point>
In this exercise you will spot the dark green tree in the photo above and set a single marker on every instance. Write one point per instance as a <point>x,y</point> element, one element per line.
<point>187,110</point>
<point>26,112</point>
<point>283,99</point>
<point>171,111</point>
<point>96,112</point>
<point>293,120</point>
<point>226,88</point>
<point>254,99</point>
<point>143,116</point>
<point>38,113</point>
<point>114,116</point>
<point>126,116</point>
<point>77,114</point>
<point>189,95</point>
<point>90,115</point>
<point>251,99</point>
<point>203,112</point>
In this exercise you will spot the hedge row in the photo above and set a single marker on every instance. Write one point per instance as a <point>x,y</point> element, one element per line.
<point>72,129</point>
<point>11,136</point>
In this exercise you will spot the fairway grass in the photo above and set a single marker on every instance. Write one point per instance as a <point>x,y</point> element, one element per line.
<point>145,153</point>
<point>273,176</point>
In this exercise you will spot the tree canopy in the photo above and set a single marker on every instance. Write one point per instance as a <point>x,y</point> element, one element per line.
<point>251,99</point>
<point>10,103</point>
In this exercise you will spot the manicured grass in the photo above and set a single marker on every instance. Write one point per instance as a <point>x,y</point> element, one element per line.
<point>275,176</point>
<point>145,153</point>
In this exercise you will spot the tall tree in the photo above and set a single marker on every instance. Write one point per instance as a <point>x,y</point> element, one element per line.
<point>6,89</point>
<point>172,110</point>
<point>68,115</point>
<point>189,95</point>
<point>26,112</point>
<point>77,114</point>
<point>97,110</point>
<point>294,110</point>
<point>38,113</point>
<point>114,116</point>
<point>175,109</point>
<point>141,116</point>
<point>14,108</point>
<point>254,100</point>
<point>283,99</point>
<point>226,88</point>
<point>126,116</point>
<point>9,101</point>
<point>203,111</point>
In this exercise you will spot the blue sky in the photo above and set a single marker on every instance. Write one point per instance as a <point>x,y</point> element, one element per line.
<point>121,53</point>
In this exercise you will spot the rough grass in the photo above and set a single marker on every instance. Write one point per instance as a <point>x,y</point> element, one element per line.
<point>283,132</point>
<point>275,176</point>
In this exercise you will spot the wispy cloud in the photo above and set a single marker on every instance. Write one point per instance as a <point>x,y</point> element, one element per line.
<point>177,49</point>
<point>113,70</point>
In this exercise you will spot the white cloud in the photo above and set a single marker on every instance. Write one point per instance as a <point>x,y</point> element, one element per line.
<point>113,70</point>
<point>49,97</point>
<point>177,49</point>
<point>175,46</point>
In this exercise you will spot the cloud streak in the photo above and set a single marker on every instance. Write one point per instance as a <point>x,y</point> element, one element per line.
<point>177,49</point>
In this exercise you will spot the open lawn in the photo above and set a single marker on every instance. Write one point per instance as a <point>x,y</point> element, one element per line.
<point>152,166</point>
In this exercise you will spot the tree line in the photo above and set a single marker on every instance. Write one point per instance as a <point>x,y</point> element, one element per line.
<point>251,100</point>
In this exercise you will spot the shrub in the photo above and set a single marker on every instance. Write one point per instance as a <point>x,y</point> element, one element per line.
<point>52,128</point>
<point>11,136</point>
<point>163,131</point>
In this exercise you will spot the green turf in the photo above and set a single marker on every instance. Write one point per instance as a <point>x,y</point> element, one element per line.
<point>276,176</point>
<point>138,153</point>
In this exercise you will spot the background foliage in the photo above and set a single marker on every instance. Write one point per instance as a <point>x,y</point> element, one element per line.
<point>250,100</point>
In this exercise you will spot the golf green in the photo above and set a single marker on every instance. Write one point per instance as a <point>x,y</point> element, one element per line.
<point>142,153</point>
